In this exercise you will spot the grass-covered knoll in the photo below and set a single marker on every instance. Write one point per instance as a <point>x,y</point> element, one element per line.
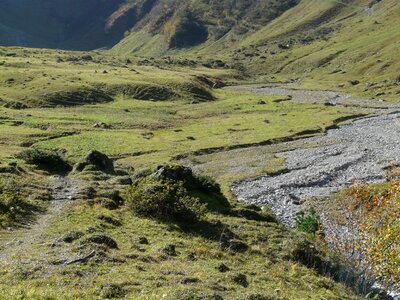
<point>241,253</point>
<point>31,78</point>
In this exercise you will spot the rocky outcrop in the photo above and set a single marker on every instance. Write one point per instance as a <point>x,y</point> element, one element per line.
<point>95,161</point>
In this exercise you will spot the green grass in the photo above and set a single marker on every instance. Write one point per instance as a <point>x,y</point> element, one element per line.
<point>149,275</point>
<point>161,129</point>
<point>176,127</point>
<point>140,135</point>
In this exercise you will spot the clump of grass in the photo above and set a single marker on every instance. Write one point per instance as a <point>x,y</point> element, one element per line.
<point>308,222</point>
<point>11,202</point>
<point>164,201</point>
<point>46,159</point>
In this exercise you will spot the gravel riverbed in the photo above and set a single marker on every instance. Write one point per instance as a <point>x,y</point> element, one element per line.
<point>359,151</point>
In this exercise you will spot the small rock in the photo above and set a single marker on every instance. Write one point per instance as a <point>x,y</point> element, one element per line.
<point>261,102</point>
<point>111,291</point>
<point>260,297</point>
<point>237,246</point>
<point>72,236</point>
<point>223,268</point>
<point>169,250</point>
<point>176,173</point>
<point>102,240</point>
<point>110,220</point>
<point>240,279</point>
<point>102,125</point>
<point>97,159</point>
<point>354,82</point>
<point>143,241</point>
<point>295,200</point>
<point>189,280</point>
<point>87,58</point>
<point>125,180</point>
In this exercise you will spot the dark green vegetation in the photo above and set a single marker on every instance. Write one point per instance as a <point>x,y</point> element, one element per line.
<point>46,159</point>
<point>309,222</point>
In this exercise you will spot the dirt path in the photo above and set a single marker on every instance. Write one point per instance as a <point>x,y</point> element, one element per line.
<point>14,245</point>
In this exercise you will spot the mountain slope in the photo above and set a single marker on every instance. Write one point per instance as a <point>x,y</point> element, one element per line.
<point>82,25</point>
<point>67,24</point>
<point>324,41</point>
<point>173,24</point>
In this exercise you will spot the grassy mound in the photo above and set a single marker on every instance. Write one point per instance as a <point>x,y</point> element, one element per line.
<point>80,96</point>
<point>164,202</point>
<point>145,91</point>
<point>45,159</point>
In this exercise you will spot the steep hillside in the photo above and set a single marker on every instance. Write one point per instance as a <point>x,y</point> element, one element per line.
<point>68,24</point>
<point>332,44</point>
<point>172,24</point>
<point>83,25</point>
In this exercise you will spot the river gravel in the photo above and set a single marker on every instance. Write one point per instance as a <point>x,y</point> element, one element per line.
<point>359,151</point>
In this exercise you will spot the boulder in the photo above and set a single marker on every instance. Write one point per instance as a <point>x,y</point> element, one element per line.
<point>176,173</point>
<point>101,239</point>
<point>354,82</point>
<point>169,250</point>
<point>237,246</point>
<point>223,268</point>
<point>240,279</point>
<point>98,161</point>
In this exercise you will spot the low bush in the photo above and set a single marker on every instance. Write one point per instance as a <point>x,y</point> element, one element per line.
<point>198,186</point>
<point>164,201</point>
<point>310,222</point>
<point>11,203</point>
<point>46,159</point>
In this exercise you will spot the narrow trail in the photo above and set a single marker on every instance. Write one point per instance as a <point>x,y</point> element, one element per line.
<point>359,151</point>
<point>15,244</point>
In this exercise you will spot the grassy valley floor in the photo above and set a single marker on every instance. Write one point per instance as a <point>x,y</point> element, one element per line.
<point>144,116</point>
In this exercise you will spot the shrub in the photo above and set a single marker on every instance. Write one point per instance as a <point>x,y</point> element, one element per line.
<point>164,201</point>
<point>376,211</point>
<point>207,184</point>
<point>309,223</point>
<point>11,202</point>
<point>46,159</point>
<point>198,186</point>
